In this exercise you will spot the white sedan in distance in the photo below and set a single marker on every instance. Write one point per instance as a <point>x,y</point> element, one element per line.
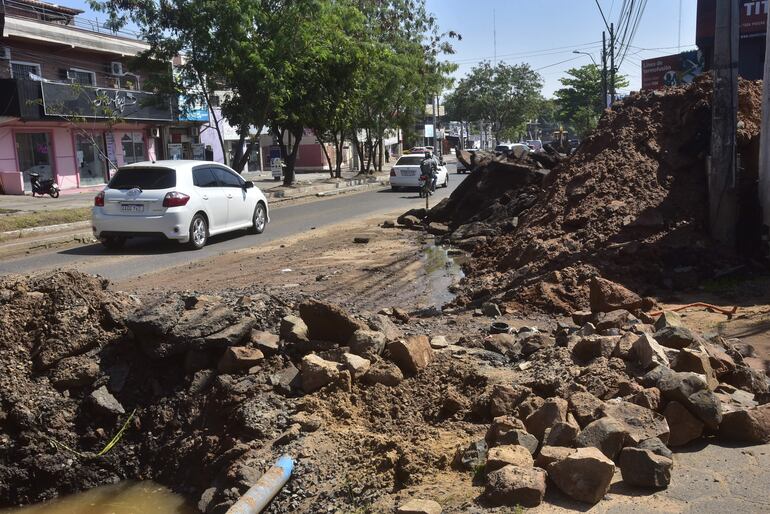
<point>406,172</point>
<point>187,201</point>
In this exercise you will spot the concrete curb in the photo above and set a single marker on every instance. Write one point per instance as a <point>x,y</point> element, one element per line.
<point>18,234</point>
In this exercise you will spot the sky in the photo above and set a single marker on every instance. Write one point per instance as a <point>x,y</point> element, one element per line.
<point>544,33</point>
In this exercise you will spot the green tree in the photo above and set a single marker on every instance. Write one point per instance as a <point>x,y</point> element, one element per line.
<point>579,103</point>
<point>505,96</point>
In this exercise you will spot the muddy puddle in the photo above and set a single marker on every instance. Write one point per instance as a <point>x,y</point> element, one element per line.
<point>442,270</point>
<point>122,498</point>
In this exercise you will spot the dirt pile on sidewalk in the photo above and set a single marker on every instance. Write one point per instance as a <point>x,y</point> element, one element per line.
<point>631,205</point>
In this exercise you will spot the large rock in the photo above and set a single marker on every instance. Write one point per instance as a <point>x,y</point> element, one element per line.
<point>584,475</point>
<point>367,343</point>
<point>504,399</point>
<point>550,413</point>
<point>504,344</point>
<point>641,423</point>
<point>515,455</point>
<point>643,468</point>
<point>357,366</point>
<point>293,330</point>
<point>417,506</point>
<point>657,447</point>
<point>668,319</point>
<point>471,457</point>
<point>412,354</point>
<point>585,407</point>
<point>678,338</point>
<point>507,430</point>
<point>606,296</point>
<point>550,454</point>
<point>615,319</point>
<point>238,358</point>
<point>649,398</point>
<point>383,372</point>
<point>690,390</point>
<point>317,373</point>
<point>747,425</point>
<point>514,486</point>
<point>382,323</point>
<point>648,353</point>
<point>562,433</point>
<point>698,362</point>
<point>267,343</point>
<point>684,426</point>
<point>327,322</point>
<point>591,347</point>
<point>607,434</point>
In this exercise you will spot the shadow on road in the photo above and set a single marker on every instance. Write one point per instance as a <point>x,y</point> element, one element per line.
<point>149,246</point>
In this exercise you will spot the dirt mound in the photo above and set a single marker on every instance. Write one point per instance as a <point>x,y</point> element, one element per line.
<point>630,205</point>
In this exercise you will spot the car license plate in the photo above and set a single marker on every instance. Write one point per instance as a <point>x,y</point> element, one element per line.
<point>132,207</point>
<point>408,173</point>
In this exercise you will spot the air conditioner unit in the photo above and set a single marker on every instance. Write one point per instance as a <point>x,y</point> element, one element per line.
<point>155,132</point>
<point>5,53</point>
<point>116,68</point>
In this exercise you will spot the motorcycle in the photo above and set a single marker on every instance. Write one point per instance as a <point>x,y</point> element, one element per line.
<point>424,184</point>
<point>43,187</point>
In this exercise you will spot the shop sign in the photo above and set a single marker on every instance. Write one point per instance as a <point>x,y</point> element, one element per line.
<point>75,101</point>
<point>175,151</point>
<point>198,151</point>
<point>672,70</point>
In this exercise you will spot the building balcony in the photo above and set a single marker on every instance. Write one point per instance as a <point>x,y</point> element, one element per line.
<point>32,100</point>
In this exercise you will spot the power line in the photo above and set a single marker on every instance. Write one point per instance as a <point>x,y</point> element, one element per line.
<point>532,53</point>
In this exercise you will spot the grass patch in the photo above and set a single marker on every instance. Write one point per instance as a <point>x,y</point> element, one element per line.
<point>43,218</point>
<point>8,211</point>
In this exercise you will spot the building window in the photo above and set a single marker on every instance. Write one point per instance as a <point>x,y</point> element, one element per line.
<point>133,147</point>
<point>82,77</point>
<point>25,70</point>
<point>34,154</point>
<point>214,100</point>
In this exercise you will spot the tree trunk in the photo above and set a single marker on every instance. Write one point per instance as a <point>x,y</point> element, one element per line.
<point>328,159</point>
<point>205,92</point>
<point>289,175</point>
<point>339,143</point>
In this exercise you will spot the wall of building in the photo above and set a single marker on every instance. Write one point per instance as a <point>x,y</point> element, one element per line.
<point>54,65</point>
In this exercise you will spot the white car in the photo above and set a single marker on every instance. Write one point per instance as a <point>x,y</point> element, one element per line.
<point>406,172</point>
<point>187,201</point>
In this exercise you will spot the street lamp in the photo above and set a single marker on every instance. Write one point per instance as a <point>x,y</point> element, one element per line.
<point>586,53</point>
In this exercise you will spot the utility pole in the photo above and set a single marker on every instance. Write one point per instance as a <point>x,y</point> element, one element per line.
<point>764,147</point>
<point>604,70</point>
<point>612,63</point>
<point>723,202</point>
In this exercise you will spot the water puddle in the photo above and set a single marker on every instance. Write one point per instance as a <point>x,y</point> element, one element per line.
<point>443,271</point>
<point>123,498</point>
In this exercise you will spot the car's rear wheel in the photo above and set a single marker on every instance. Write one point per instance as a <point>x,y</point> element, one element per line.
<point>113,242</point>
<point>199,232</point>
<point>395,188</point>
<point>260,219</point>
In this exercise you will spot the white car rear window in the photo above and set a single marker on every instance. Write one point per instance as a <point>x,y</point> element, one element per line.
<point>143,178</point>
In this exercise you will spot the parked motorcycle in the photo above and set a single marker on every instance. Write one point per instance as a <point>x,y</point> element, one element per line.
<point>43,187</point>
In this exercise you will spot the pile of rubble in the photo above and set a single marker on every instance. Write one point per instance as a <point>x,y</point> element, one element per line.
<point>630,205</point>
<point>215,388</point>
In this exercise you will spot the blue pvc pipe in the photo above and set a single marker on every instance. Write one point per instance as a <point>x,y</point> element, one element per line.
<point>260,494</point>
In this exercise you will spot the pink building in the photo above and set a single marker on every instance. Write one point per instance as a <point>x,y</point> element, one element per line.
<point>72,108</point>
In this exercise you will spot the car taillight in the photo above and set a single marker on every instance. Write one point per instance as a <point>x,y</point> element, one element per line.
<point>99,199</point>
<point>392,173</point>
<point>174,199</point>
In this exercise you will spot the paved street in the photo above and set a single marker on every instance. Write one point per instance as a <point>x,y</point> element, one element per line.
<point>141,256</point>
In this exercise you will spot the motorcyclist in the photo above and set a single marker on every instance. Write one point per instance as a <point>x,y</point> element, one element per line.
<point>429,168</point>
